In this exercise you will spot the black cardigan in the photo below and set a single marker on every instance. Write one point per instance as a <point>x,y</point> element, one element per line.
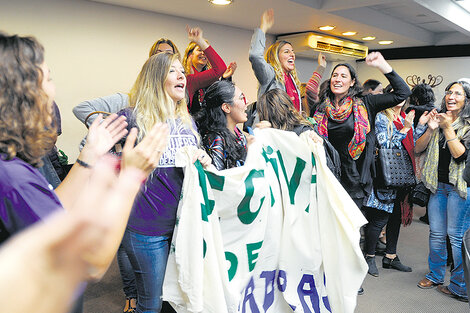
<point>357,175</point>
<point>466,171</point>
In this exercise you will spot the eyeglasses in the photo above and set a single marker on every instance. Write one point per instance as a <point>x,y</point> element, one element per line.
<point>242,97</point>
<point>455,93</point>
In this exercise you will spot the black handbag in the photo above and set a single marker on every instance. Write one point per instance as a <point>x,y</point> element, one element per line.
<point>394,169</point>
<point>420,195</point>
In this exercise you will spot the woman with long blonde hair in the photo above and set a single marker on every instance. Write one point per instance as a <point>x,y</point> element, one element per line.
<point>277,68</point>
<point>158,95</point>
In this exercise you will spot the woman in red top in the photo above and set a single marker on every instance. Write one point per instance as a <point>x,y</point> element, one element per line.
<point>202,65</point>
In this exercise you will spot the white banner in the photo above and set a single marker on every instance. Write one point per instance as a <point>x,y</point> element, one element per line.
<point>278,234</point>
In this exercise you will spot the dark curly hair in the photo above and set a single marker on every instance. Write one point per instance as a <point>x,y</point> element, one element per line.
<point>212,121</point>
<point>422,94</point>
<point>25,117</point>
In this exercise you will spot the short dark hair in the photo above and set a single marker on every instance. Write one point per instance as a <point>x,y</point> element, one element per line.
<point>370,84</point>
<point>422,94</point>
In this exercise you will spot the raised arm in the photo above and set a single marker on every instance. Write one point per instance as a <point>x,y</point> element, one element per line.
<point>204,79</point>
<point>263,71</point>
<point>401,91</point>
<point>111,104</point>
<point>313,85</point>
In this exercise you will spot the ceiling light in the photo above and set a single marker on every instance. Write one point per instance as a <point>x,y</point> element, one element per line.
<point>327,27</point>
<point>385,42</point>
<point>464,4</point>
<point>221,2</point>
<point>349,33</point>
<point>368,38</point>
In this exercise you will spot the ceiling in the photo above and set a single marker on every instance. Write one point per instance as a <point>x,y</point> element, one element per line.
<point>409,23</point>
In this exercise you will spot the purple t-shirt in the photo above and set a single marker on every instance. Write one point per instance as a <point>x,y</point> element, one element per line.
<point>26,196</point>
<point>154,210</point>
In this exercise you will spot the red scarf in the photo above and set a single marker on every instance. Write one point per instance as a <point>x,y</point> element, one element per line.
<point>292,91</point>
<point>408,143</point>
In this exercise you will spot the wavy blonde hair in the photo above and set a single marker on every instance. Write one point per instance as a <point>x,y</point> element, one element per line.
<point>187,64</point>
<point>150,101</point>
<point>272,57</point>
<point>391,116</point>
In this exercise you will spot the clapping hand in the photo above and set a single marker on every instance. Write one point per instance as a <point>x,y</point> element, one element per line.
<point>146,155</point>
<point>102,136</point>
<point>445,120</point>
<point>433,122</point>
<point>426,116</point>
<point>230,70</point>
<point>409,119</point>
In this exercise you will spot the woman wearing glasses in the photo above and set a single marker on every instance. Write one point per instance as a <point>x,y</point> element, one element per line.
<point>217,123</point>
<point>446,143</point>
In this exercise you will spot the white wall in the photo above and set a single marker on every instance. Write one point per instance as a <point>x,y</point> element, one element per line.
<point>96,49</point>
<point>450,69</point>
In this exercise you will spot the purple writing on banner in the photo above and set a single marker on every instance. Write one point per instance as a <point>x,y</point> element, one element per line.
<point>306,291</point>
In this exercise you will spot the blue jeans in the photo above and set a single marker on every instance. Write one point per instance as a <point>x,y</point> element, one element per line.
<point>148,256</point>
<point>449,214</point>
<point>127,273</point>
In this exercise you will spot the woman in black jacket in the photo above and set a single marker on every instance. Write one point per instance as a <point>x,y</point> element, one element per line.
<point>348,120</point>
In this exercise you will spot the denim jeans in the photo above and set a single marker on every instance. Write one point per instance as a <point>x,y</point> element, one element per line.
<point>127,273</point>
<point>148,256</point>
<point>449,214</point>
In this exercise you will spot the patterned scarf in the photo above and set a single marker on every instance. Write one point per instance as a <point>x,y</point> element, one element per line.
<point>361,122</point>
<point>431,161</point>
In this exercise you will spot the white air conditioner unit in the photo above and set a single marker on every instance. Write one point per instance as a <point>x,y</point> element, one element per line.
<point>305,42</point>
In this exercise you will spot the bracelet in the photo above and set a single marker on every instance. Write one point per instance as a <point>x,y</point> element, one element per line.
<point>452,139</point>
<point>84,164</point>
